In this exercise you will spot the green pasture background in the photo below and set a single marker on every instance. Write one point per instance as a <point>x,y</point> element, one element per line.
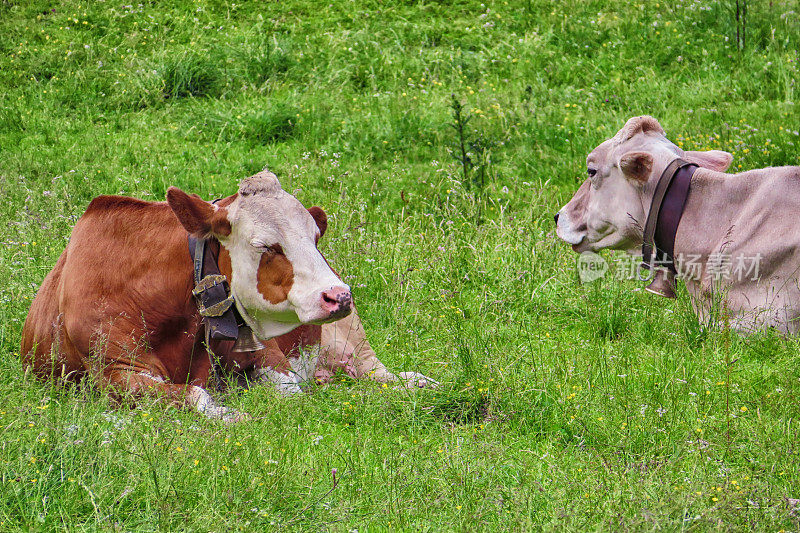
<point>562,407</point>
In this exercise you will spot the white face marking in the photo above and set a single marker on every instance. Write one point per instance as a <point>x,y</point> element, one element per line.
<point>263,215</point>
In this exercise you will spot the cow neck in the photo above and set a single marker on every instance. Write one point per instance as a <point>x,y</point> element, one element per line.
<point>212,291</point>
<point>666,210</point>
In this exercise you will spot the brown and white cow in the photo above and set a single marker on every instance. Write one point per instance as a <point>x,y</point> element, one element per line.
<point>118,305</point>
<point>751,216</point>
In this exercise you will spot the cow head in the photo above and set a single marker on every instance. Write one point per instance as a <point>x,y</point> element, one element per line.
<point>609,209</point>
<point>278,278</point>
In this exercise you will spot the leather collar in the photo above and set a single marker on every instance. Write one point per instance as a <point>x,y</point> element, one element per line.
<point>666,209</point>
<point>212,293</point>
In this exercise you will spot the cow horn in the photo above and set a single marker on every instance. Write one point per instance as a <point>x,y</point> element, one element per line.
<point>247,341</point>
<point>663,284</point>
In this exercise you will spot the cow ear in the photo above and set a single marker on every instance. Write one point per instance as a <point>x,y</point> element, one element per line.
<point>636,166</point>
<point>711,159</point>
<point>320,218</point>
<point>197,216</point>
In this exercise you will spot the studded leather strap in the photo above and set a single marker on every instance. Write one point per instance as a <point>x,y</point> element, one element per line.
<point>214,299</point>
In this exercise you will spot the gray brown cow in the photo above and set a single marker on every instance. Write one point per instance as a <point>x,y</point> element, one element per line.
<point>738,240</point>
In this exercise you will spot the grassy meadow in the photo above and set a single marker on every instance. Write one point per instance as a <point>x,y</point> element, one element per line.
<point>563,407</point>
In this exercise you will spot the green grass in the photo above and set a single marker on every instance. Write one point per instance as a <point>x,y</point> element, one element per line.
<point>563,407</point>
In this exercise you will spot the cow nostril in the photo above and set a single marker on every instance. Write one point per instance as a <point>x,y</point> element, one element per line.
<point>327,298</point>
<point>555,218</point>
<point>336,300</point>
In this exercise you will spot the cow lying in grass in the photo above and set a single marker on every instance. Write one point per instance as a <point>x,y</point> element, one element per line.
<point>119,306</point>
<point>735,242</point>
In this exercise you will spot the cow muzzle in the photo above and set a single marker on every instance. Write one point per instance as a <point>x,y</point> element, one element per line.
<point>336,302</point>
<point>568,231</point>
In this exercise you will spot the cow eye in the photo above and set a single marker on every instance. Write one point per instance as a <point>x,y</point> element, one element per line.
<point>591,172</point>
<point>268,248</point>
